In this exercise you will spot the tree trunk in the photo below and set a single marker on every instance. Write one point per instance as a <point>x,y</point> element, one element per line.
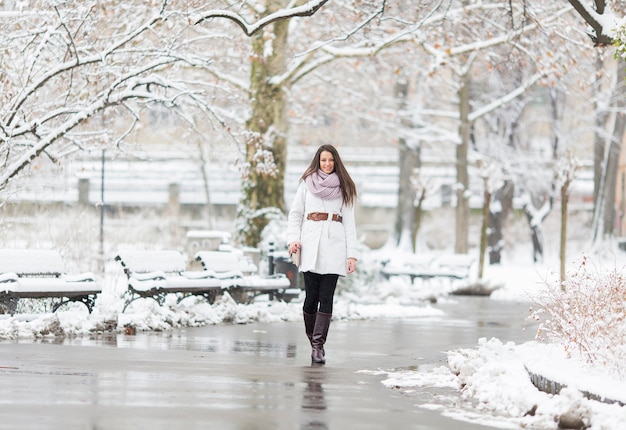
<point>615,146</point>
<point>535,220</point>
<point>405,216</point>
<point>408,160</point>
<point>462,176</point>
<point>497,221</point>
<point>601,117</point>
<point>263,184</point>
<point>483,231</point>
<point>562,253</point>
<point>604,205</point>
<point>611,177</point>
<point>418,218</point>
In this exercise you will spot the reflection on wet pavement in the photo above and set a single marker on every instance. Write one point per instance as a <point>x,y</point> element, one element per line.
<point>313,401</point>
<point>264,349</point>
<point>181,341</point>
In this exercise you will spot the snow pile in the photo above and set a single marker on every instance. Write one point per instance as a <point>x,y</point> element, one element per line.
<point>492,379</point>
<point>147,315</point>
<point>585,326</point>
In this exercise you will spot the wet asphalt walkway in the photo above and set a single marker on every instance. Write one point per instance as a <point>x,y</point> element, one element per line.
<point>244,377</point>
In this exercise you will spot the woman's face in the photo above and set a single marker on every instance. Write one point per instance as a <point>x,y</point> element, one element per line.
<point>327,162</point>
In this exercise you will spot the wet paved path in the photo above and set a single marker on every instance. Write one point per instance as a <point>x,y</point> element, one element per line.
<point>243,377</point>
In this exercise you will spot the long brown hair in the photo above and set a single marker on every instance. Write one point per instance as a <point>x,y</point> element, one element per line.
<point>348,189</point>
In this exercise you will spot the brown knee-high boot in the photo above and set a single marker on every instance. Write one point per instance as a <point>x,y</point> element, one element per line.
<point>309,325</point>
<point>320,332</point>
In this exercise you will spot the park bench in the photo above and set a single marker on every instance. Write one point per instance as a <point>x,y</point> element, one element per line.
<point>412,265</point>
<point>241,277</point>
<point>41,274</point>
<point>156,273</point>
<point>454,266</point>
<point>430,266</point>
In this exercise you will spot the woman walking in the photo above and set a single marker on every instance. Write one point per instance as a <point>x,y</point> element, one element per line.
<point>321,226</point>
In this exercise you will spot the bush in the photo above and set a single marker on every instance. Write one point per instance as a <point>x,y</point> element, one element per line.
<point>586,316</point>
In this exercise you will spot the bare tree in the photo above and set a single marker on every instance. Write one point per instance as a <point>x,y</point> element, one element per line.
<point>606,30</point>
<point>58,77</point>
<point>485,48</point>
<point>378,28</point>
<point>267,126</point>
<point>68,87</point>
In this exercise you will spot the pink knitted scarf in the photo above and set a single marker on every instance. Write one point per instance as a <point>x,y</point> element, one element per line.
<point>323,185</point>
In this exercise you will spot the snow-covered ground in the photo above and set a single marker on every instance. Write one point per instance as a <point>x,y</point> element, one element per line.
<point>492,378</point>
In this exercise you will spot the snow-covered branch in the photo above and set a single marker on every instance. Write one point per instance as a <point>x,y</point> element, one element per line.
<point>58,77</point>
<point>67,66</point>
<point>124,89</point>
<point>600,18</point>
<point>491,172</point>
<point>566,169</point>
<point>444,52</point>
<point>507,98</point>
<point>308,9</point>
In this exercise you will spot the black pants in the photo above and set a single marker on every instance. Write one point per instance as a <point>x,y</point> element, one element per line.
<point>320,290</point>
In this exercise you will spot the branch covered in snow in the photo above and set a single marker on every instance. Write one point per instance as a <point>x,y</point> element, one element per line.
<point>308,9</point>
<point>566,169</point>
<point>492,173</point>
<point>599,15</point>
<point>57,78</point>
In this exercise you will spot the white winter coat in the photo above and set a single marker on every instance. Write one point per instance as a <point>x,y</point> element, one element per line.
<point>326,245</point>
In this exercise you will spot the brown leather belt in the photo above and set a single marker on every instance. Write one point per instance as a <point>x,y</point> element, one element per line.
<point>323,216</point>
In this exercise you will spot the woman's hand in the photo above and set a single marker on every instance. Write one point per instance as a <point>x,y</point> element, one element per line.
<point>351,265</point>
<point>294,246</point>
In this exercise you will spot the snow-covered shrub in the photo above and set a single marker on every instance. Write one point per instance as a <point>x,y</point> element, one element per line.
<point>586,315</point>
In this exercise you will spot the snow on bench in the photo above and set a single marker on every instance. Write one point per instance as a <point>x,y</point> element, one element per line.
<point>156,273</point>
<point>429,266</point>
<point>457,266</point>
<point>408,265</point>
<point>39,274</point>
<point>240,277</point>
